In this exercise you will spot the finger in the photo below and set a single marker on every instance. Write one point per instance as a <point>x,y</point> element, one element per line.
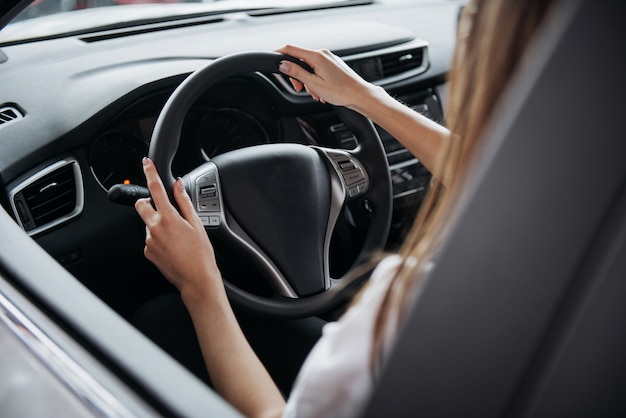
<point>147,252</point>
<point>313,95</point>
<point>297,85</point>
<point>144,209</point>
<point>304,54</point>
<point>184,201</point>
<point>295,71</point>
<point>155,185</point>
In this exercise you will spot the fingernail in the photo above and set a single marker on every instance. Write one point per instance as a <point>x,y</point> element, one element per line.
<point>144,161</point>
<point>283,66</point>
<point>180,184</point>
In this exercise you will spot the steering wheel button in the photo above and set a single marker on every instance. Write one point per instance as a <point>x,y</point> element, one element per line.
<point>208,191</point>
<point>353,177</point>
<point>209,205</point>
<point>357,189</point>
<point>206,178</point>
<point>210,221</point>
<point>347,165</point>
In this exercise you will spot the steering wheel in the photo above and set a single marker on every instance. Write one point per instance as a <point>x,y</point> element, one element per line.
<point>279,202</point>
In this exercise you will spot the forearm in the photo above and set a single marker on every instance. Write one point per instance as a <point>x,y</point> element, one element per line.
<point>420,135</point>
<point>236,372</point>
<point>177,243</point>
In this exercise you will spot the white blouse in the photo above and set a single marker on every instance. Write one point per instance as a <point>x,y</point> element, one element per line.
<point>335,379</point>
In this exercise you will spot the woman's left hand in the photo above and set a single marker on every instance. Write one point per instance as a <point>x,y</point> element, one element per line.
<point>176,243</point>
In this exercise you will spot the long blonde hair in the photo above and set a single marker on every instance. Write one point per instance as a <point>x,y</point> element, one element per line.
<point>491,38</point>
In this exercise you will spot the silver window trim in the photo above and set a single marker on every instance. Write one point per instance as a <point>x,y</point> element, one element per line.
<point>93,395</point>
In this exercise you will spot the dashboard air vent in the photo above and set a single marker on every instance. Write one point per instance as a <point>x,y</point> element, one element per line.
<point>9,114</point>
<point>50,197</point>
<point>391,64</point>
<point>400,62</point>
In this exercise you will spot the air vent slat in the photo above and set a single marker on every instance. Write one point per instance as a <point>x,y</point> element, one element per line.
<point>9,114</point>
<point>400,62</point>
<point>54,204</point>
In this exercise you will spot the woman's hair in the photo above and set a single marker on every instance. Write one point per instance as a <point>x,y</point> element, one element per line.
<point>491,38</point>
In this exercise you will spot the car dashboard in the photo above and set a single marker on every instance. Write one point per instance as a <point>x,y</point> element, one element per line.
<point>78,113</point>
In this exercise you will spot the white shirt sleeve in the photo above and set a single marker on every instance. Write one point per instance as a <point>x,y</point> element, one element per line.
<point>335,380</point>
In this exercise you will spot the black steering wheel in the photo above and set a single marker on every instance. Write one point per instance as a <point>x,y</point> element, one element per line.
<point>279,202</point>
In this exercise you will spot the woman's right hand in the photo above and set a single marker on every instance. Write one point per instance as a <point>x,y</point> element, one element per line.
<point>332,80</point>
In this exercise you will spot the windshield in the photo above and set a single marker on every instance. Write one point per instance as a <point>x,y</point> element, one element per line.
<point>52,18</point>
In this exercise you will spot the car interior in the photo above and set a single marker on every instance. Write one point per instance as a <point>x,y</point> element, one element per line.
<point>523,312</point>
<point>108,125</point>
<point>91,110</point>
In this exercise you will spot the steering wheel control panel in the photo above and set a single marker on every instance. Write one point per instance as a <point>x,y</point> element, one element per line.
<point>350,171</point>
<point>207,198</point>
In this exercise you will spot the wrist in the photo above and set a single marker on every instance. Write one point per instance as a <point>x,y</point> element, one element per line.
<point>371,96</point>
<point>202,293</point>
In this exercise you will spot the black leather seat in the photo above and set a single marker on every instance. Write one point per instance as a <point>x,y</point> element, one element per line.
<point>524,314</point>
